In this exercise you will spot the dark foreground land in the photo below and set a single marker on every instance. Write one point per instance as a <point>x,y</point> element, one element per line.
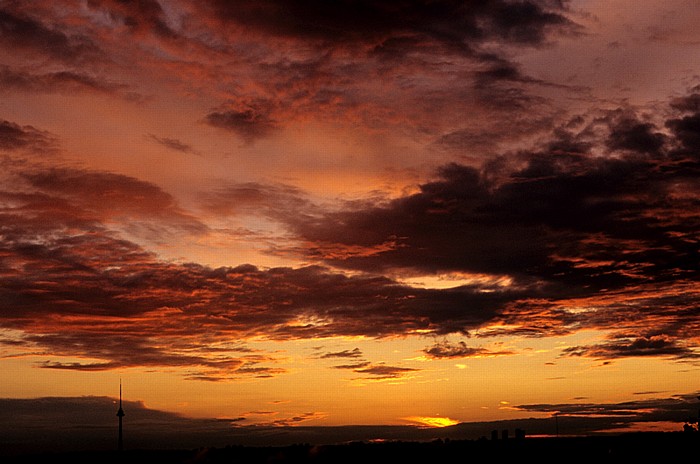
<point>633,447</point>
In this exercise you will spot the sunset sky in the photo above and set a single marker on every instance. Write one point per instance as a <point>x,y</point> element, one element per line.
<point>356,212</point>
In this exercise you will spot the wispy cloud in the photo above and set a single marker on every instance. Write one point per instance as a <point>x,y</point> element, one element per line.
<point>446,349</point>
<point>65,82</point>
<point>354,353</point>
<point>173,144</point>
<point>379,371</point>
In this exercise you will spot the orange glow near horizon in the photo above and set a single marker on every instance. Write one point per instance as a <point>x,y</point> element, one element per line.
<point>432,421</point>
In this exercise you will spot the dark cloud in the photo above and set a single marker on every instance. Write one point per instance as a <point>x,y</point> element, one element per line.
<point>608,233</point>
<point>129,309</point>
<point>525,21</point>
<point>689,103</point>
<point>354,353</point>
<point>76,366</point>
<point>295,420</point>
<point>686,127</point>
<point>353,48</point>
<point>349,49</point>
<point>13,137</point>
<point>125,303</point>
<point>173,144</point>
<point>445,349</point>
<point>453,23</point>
<point>618,415</point>
<point>382,371</point>
<point>259,371</point>
<point>561,222</point>
<point>562,218</point>
<point>687,132</point>
<point>140,206</point>
<point>370,370</point>
<point>500,70</point>
<point>630,134</point>
<point>65,82</point>
<point>551,230</point>
<point>140,17</point>
<point>358,365</point>
<point>128,351</point>
<point>21,33</point>
<point>124,349</point>
<point>250,121</point>
<point>619,347</point>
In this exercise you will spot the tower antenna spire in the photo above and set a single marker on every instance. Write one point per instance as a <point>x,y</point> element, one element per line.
<point>120,414</point>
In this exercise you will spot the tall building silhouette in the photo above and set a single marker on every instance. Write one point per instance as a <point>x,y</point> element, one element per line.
<point>120,414</point>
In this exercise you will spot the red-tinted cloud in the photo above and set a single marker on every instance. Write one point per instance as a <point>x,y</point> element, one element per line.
<point>76,289</point>
<point>65,82</point>
<point>570,227</point>
<point>33,37</point>
<point>295,60</point>
<point>614,234</point>
<point>16,137</point>
<point>250,121</point>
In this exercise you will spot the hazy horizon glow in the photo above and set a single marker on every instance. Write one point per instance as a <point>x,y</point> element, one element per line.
<point>308,213</point>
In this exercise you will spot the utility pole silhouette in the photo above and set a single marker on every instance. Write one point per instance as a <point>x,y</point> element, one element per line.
<point>120,414</point>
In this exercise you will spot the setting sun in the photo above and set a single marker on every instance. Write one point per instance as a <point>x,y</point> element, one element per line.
<point>433,421</point>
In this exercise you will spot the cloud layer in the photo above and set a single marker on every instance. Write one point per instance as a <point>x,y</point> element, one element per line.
<point>552,230</point>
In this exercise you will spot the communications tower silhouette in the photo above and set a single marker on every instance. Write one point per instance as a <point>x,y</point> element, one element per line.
<point>120,414</point>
